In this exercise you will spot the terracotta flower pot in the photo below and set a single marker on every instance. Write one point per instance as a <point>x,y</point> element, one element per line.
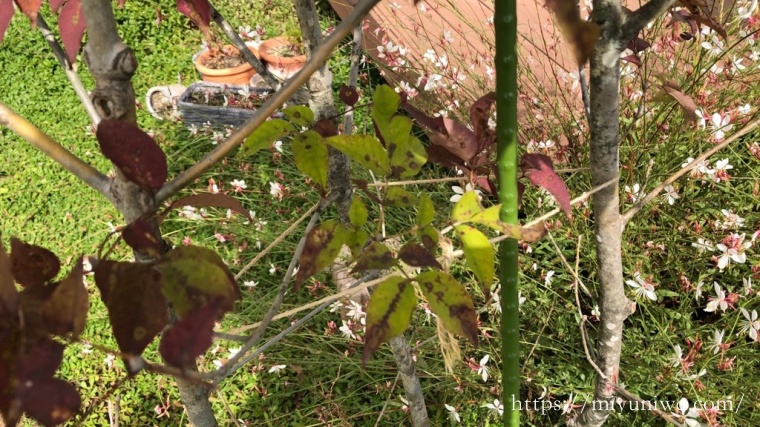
<point>283,67</point>
<point>239,75</point>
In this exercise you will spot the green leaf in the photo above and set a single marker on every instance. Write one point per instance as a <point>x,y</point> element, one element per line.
<point>194,277</point>
<point>357,213</point>
<point>397,196</point>
<point>376,256</point>
<point>136,307</point>
<point>356,241</point>
<point>299,115</point>
<point>310,154</point>
<point>385,104</point>
<point>265,135</point>
<point>364,149</point>
<point>425,211</point>
<point>406,152</point>
<point>388,313</point>
<point>323,244</point>
<point>450,301</point>
<point>479,254</point>
<point>468,209</point>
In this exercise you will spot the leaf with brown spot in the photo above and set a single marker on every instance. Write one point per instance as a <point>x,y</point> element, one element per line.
<point>365,150</point>
<point>190,337</point>
<point>265,135</point>
<point>376,256</point>
<point>71,25</point>
<point>385,103</point>
<point>407,153</point>
<point>417,256</point>
<point>134,152</point>
<point>299,115</point>
<point>140,236</point>
<point>534,233</point>
<point>428,235</point>
<point>479,254</point>
<point>466,207</point>
<point>455,137</point>
<point>389,312</point>
<point>65,310</point>
<point>31,264</point>
<point>539,169</point>
<point>311,156</point>
<point>449,300</point>
<point>136,306</point>
<point>356,241</point>
<point>323,244</point>
<point>207,200</point>
<point>348,95</point>
<point>397,196</point>
<point>194,277</point>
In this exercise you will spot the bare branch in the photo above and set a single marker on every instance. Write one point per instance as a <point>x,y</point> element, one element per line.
<point>68,68</point>
<point>749,127</point>
<point>244,51</point>
<point>26,130</point>
<point>353,76</point>
<point>636,21</point>
<point>317,60</point>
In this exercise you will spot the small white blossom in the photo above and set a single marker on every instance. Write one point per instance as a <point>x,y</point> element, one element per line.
<point>276,369</point>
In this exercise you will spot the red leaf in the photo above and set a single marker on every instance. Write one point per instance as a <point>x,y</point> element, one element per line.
<point>50,401</point>
<point>454,136</point>
<point>32,264</point>
<point>43,359</point>
<point>348,95</point>
<point>199,11</point>
<point>6,14</point>
<point>207,200</point>
<point>190,337</point>
<point>134,152</point>
<point>687,104</point>
<point>540,171</point>
<point>417,256</point>
<point>30,9</point>
<point>441,155</point>
<point>480,112</point>
<point>633,59</point>
<point>56,4</point>
<point>71,25</point>
<point>141,237</point>
<point>325,128</point>
<point>638,45</point>
<point>65,310</point>
<point>8,293</point>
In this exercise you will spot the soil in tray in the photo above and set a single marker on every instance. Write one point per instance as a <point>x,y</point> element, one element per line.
<point>227,99</point>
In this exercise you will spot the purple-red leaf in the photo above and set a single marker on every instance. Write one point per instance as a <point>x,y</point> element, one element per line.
<point>71,25</point>
<point>638,45</point>
<point>190,337</point>
<point>441,155</point>
<point>199,11</point>
<point>539,169</point>
<point>141,237</point>
<point>417,256</point>
<point>206,200</point>
<point>443,131</point>
<point>633,59</point>
<point>8,293</point>
<point>687,104</point>
<point>65,310</point>
<point>348,95</point>
<point>32,264</point>
<point>136,306</point>
<point>480,112</point>
<point>50,401</point>
<point>134,152</point>
<point>56,4</point>
<point>43,359</point>
<point>30,8</point>
<point>6,14</point>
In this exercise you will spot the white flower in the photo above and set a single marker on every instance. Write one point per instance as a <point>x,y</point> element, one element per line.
<point>676,361</point>
<point>453,414</point>
<point>703,245</point>
<point>278,146</point>
<point>432,82</point>
<point>747,282</point>
<point>689,413</point>
<point>496,406</point>
<point>717,341</point>
<point>715,48</point>
<point>634,194</point>
<point>720,125</point>
<point>751,326</point>
<point>733,253</point>
<point>671,194</point>
<point>272,269</point>
<point>745,109</point>
<point>346,330</point>
<point>276,190</point>
<point>109,360</point>
<point>238,185</point>
<point>483,369</point>
<point>719,301</point>
<point>459,192</point>
<point>548,278</point>
<point>246,32</point>
<point>250,283</point>
<point>276,369</point>
<point>86,348</point>
<point>643,288</point>
<point>356,312</point>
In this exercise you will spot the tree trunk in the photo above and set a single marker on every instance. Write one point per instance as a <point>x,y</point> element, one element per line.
<point>604,163</point>
<point>112,64</point>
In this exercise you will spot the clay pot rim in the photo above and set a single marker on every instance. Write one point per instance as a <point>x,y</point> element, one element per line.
<point>268,44</point>
<point>223,71</point>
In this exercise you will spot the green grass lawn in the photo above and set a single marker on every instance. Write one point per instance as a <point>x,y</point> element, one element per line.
<point>323,382</point>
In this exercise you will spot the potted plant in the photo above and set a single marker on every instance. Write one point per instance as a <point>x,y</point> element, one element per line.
<point>220,104</point>
<point>225,64</point>
<point>284,56</point>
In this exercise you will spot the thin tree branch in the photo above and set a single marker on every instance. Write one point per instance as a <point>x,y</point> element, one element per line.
<point>636,21</point>
<point>749,127</point>
<point>318,59</point>
<point>27,131</point>
<point>68,68</point>
<point>243,48</point>
<point>584,90</point>
<point>353,76</point>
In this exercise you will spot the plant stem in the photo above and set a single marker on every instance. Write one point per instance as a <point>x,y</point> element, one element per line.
<point>506,130</point>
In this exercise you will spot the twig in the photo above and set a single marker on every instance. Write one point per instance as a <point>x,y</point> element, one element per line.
<point>353,77</point>
<point>113,411</point>
<point>68,68</point>
<point>635,21</point>
<point>320,56</point>
<point>27,131</point>
<point>232,364</point>
<point>390,396</point>
<point>276,242</point>
<point>625,217</point>
<point>243,48</point>
<point>584,90</point>
<point>227,408</point>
